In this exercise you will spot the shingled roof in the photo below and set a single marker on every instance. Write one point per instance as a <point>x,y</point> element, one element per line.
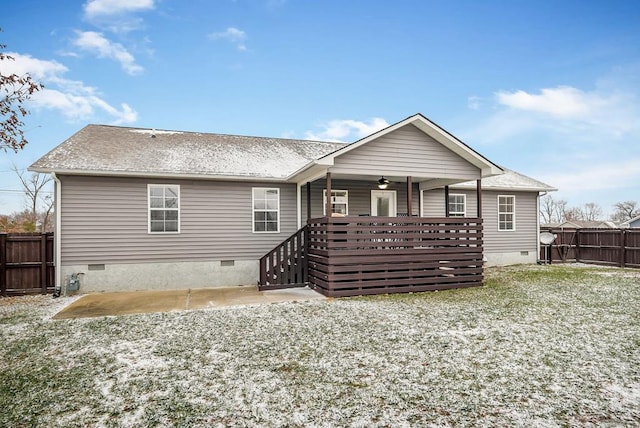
<point>510,180</point>
<point>115,150</point>
<point>102,149</point>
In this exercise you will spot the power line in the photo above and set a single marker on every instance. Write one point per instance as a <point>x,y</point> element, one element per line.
<point>21,191</point>
<point>4,171</point>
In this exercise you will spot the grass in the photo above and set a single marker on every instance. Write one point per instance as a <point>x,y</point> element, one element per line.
<point>537,346</point>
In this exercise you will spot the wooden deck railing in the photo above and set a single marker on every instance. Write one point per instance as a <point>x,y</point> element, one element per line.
<point>375,255</point>
<point>286,265</point>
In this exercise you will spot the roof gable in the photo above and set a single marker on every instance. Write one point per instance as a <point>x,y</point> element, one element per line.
<point>629,222</point>
<point>434,131</point>
<point>405,151</point>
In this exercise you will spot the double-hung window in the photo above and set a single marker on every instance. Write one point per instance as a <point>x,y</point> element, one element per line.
<point>506,212</point>
<point>266,209</point>
<point>457,205</point>
<point>164,208</point>
<point>339,201</point>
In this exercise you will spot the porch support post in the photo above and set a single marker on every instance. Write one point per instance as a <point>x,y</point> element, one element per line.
<point>409,196</point>
<point>446,201</point>
<point>328,200</point>
<point>308,201</point>
<point>479,196</point>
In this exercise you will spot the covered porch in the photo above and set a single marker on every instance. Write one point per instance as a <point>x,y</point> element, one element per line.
<point>361,223</point>
<point>367,236</point>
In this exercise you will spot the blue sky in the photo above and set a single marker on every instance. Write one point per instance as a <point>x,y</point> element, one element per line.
<point>548,88</point>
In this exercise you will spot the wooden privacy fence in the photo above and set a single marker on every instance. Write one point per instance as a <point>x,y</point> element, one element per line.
<point>613,247</point>
<point>26,263</point>
<point>371,255</point>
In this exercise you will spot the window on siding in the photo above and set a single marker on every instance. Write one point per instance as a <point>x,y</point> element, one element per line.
<point>506,212</point>
<point>339,201</point>
<point>164,208</point>
<point>266,209</point>
<point>457,205</point>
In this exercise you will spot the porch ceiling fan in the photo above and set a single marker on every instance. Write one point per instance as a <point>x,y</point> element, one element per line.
<point>383,183</point>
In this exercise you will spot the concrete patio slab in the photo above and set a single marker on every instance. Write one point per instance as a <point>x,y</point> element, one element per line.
<point>137,302</point>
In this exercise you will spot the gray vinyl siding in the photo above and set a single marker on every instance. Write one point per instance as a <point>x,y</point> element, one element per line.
<point>524,238</point>
<point>359,196</point>
<point>434,203</point>
<point>405,152</point>
<point>104,220</point>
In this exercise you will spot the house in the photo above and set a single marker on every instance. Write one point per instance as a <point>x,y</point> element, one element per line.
<point>583,224</point>
<point>501,246</point>
<point>634,222</point>
<point>408,208</point>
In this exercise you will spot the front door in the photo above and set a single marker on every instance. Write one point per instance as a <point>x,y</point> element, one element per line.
<point>383,203</point>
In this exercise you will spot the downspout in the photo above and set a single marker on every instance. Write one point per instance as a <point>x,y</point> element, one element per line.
<point>57,229</point>
<point>538,226</point>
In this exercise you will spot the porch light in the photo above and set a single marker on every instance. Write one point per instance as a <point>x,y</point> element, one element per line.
<point>383,183</point>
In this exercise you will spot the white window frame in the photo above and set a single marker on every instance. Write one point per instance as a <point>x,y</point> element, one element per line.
<point>464,205</point>
<point>254,210</point>
<point>333,202</point>
<point>513,213</point>
<point>151,209</point>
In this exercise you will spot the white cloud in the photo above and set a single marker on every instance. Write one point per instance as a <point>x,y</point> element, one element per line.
<point>37,68</point>
<point>99,45</point>
<point>116,16</point>
<point>72,98</point>
<point>612,175</point>
<point>562,101</point>
<point>233,36</point>
<point>347,130</point>
<point>99,8</point>
<point>564,108</point>
<point>582,141</point>
<point>474,102</point>
<point>579,116</point>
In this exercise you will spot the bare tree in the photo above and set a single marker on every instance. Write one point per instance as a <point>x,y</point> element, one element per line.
<point>15,90</point>
<point>38,198</point>
<point>591,211</point>
<point>573,213</point>
<point>547,209</point>
<point>552,211</point>
<point>561,210</point>
<point>625,211</point>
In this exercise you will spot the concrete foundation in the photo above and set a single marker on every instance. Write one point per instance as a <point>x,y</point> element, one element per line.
<point>207,274</point>
<point>511,258</point>
<point>164,276</point>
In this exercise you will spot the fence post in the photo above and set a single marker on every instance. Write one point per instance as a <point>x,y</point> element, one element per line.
<point>623,248</point>
<point>43,262</point>
<point>577,245</point>
<point>3,264</point>
<point>52,262</point>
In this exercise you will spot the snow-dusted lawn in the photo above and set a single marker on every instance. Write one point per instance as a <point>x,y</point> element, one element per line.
<point>537,346</point>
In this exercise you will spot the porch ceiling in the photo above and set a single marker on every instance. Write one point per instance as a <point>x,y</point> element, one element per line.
<point>424,181</point>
